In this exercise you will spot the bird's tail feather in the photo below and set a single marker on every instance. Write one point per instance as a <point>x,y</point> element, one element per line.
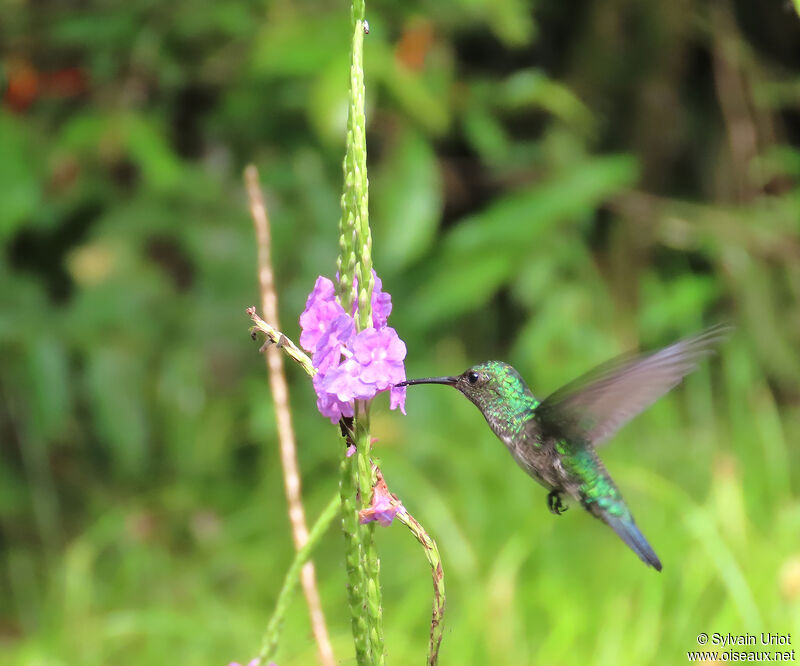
<point>630,534</point>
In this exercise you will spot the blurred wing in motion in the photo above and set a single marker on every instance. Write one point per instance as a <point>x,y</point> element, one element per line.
<point>593,407</point>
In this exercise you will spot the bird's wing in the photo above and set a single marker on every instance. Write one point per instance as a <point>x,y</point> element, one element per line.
<point>593,407</point>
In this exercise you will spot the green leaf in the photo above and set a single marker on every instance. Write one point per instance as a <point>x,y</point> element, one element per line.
<point>486,249</point>
<point>48,374</point>
<point>676,304</point>
<point>147,143</point>
<point>512,21</point>
<point>409,89</point>
<point>486,135</point>
<point>521,216</point>
<point>327,103</point>
<point>20,191</point>
<point>115,383</point>
<point>408,202</point>
<point>533,88</point>
<point>284,49</point>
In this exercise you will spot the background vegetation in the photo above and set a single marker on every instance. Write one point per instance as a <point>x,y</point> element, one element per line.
<point>552,183</point>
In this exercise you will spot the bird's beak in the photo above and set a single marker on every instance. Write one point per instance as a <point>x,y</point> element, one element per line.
<point>430,380</point>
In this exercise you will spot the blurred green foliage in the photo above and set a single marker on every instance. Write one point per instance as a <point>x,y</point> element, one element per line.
<point>552,183</point>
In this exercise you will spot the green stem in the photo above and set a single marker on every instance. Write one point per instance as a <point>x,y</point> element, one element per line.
<point>354,556</point>
<point>355,239</point>
<point>270,642</point>
<point>357,167</point>
<point>355,199</point>
<point>371,562</point>
<point>355,260</point>
<point>432,553</point>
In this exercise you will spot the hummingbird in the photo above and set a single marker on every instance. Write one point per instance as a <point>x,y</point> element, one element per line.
<point>554,439</point>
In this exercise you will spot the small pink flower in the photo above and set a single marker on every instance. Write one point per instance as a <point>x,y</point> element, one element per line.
<point>383,507</point>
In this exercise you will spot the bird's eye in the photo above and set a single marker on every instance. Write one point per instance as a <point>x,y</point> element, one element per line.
<point>472,377</point>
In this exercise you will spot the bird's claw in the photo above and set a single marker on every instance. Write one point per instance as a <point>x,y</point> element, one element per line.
<point>555,504</point>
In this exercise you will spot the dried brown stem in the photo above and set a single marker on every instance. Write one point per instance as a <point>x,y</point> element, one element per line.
<point>280,393</point>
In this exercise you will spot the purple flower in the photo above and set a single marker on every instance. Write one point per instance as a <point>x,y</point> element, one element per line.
<point>381,303</point>
<point>384,511</point>
<point>346,382</point>
<point>328,404</point>
<point>380,356</point>
<point>322,308</point>
<point>252,662</point>
<point>397,397</point>
<point>351,365</point>
<point>383,507</point>
<point>328,350</point>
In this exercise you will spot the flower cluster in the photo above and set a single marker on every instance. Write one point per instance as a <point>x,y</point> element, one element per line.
<point>351,365</point>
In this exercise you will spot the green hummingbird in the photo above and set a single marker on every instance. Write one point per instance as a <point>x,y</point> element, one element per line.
<point>554,439</point>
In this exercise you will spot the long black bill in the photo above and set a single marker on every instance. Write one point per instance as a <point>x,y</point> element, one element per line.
<point>429,380</point>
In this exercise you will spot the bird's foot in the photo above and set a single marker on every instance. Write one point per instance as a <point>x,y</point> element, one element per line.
<point>555,504</point>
